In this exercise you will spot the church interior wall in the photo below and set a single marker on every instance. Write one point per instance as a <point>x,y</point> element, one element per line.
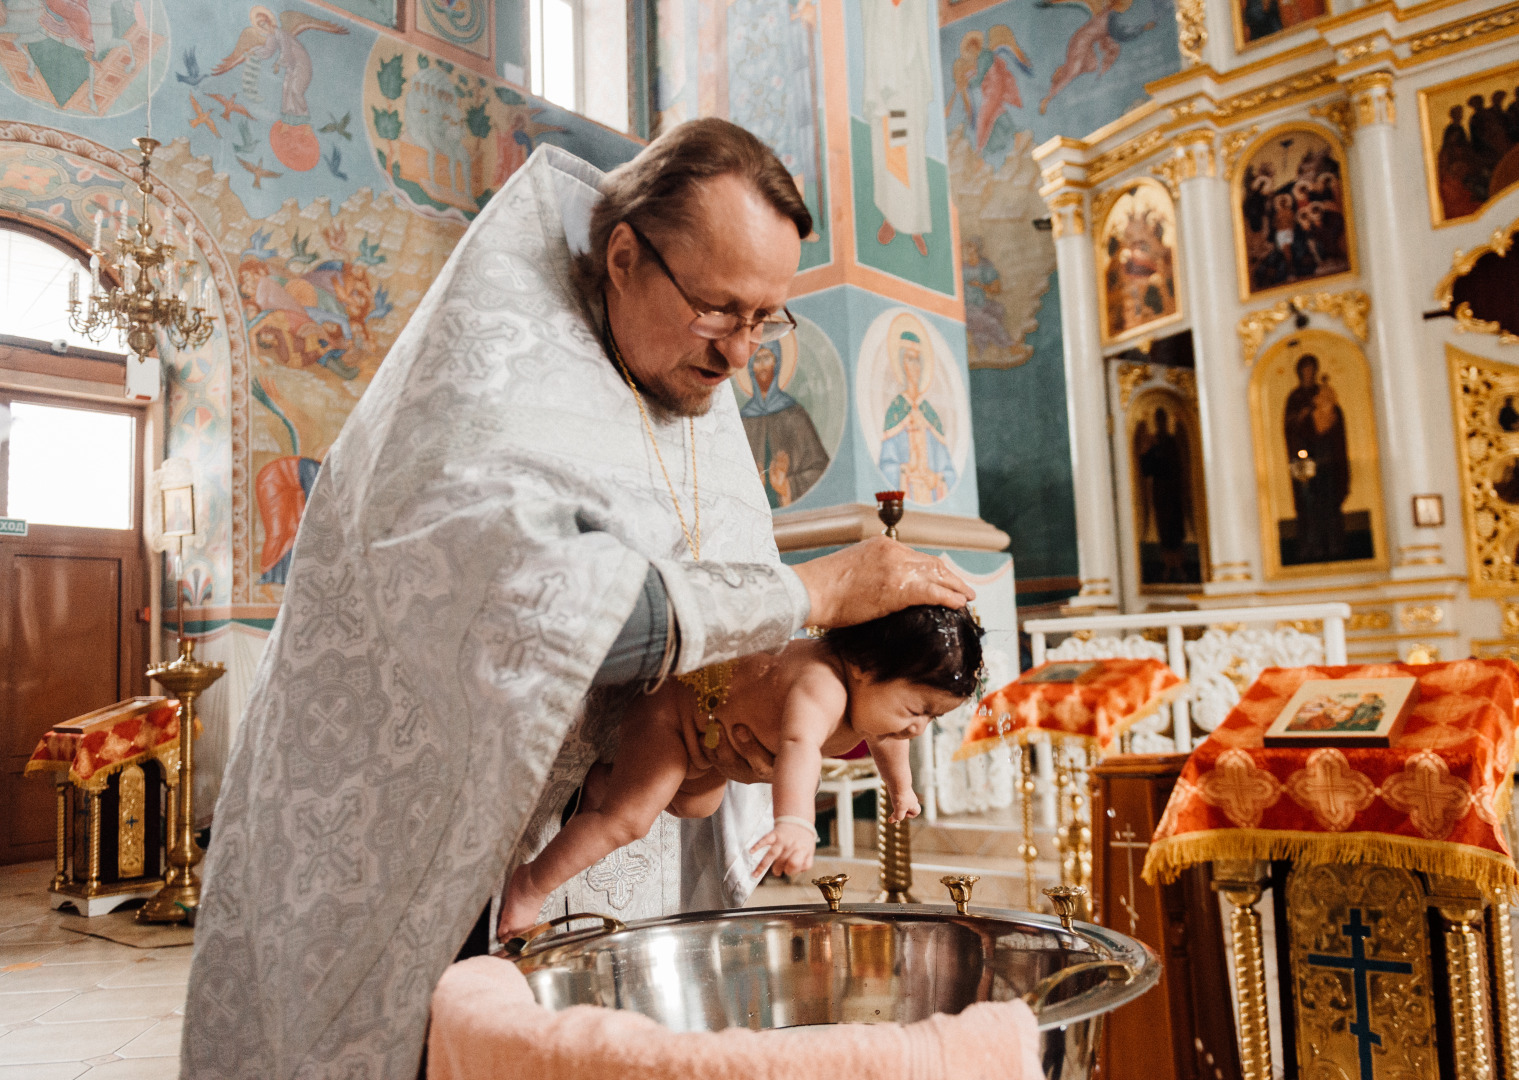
<point>1014,76</point>
<point>1355,78</point>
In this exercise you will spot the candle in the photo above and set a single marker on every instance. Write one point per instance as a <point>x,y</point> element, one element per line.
<point>207,293</point>
<point>121,226</point>
<point>74,290</point>
<point>99,219</point>
<point>95,272</point>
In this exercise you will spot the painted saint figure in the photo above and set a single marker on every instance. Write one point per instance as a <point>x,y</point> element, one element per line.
<point>1162,460</point>
<point>915,454</point>
<point>898,94</point>
<point>1319,464</point>
<point>785,442</point>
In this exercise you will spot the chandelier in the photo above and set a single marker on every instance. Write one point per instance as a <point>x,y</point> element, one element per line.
<point>157,290</point>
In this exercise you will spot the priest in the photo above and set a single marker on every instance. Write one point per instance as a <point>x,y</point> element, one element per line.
<point>544,502</point>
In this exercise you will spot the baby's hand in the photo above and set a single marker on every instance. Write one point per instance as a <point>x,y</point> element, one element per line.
<point>791,847</point>
<point>904,805</point>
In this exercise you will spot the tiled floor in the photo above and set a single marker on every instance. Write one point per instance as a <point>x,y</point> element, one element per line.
<point>72,1005</point>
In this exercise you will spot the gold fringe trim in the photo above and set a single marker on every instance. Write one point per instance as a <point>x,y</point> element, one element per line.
<point>99,778</point>
<point>1491,872</point>
<point>1022,735</point>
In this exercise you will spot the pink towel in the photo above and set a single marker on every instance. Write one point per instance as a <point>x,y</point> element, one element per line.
<point>486,1026</point>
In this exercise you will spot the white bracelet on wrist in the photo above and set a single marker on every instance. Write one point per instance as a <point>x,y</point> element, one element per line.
<point>801,822</point>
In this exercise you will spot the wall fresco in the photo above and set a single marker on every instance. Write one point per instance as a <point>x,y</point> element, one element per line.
<point>1015,75</point>
<point>758,63</point>
<point>92,57</point>
<point>464,24</point>
<point>317,258</point>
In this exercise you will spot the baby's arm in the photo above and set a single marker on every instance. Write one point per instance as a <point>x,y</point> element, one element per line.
<point>813,707</point>
<point>891,758</point>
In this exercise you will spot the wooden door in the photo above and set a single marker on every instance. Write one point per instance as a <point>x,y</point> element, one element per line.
<point>71,638</point>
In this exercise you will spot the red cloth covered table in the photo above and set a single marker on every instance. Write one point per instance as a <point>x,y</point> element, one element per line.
<point>1434,801</point>
<point>1107,699</point>
<point>92,747</point>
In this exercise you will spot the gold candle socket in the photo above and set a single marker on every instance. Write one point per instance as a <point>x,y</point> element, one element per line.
<point>186,678</point>
<point>960,886</point>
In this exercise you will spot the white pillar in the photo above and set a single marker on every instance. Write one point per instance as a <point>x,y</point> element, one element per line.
<point>1397,330</point>
<point>1223,382</point>
<point>1086,402</point>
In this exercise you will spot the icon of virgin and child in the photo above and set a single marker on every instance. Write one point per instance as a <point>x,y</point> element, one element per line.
<point>915,453</point>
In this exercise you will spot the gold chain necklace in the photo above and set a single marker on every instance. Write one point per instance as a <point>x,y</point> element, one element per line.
<point>693,541</point>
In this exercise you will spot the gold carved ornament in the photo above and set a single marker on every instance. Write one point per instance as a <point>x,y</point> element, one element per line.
<point>1063,204</point>
<point>1191,30</point>
<point>1130,377</point>
<point>1276,93</point>
<point>1510,618</point>
<point>1341,114</point>
<point>1422,616</point>
<point>1458,32</point>
<point>1235,143</point>
<point>1184,379</point>
<point>1488,456</point>
<point>1371,94</point>
<point>1122,156</point>
<point>1352,307</point>
<point>1462,264</point>
<point>1173,170</point>
<point>1389,903</point>
<point>1375,619</point>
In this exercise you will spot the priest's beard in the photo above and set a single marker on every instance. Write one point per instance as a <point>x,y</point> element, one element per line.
<point>675,395</point>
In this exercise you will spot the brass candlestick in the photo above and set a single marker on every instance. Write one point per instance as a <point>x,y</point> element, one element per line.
<point>186,678</point>
<point>893,838</point>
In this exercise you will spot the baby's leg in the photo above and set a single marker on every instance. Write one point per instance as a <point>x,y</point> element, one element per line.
<point>648,772</point>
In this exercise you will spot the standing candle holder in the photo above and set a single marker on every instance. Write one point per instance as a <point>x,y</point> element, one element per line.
<point>186,678</point>
<point>893,838</point>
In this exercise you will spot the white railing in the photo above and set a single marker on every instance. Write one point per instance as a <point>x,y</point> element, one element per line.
<point>1218,665</point>
<point>1175,623</point>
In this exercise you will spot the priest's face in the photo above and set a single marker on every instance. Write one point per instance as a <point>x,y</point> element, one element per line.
<point>738,256</point>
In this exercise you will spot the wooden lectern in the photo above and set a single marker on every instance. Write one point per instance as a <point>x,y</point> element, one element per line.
<point>1184,1028</point>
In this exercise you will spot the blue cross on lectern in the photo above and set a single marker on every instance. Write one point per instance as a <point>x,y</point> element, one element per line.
<point>1359,966</point>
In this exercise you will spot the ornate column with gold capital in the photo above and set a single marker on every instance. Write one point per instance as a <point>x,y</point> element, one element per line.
<point>1223,383</point>
<point>1085,394</point>
<point>1406,392</point>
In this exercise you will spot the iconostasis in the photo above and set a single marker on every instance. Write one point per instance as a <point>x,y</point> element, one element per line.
<point>1290,312</point>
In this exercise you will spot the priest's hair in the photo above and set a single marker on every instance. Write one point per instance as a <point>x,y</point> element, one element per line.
<point>653,192</point>
<point>928,644</point>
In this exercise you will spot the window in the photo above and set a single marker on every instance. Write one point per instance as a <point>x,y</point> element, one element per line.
<point>69,466</point>
<point>578,57</point>
<point>34,292</point>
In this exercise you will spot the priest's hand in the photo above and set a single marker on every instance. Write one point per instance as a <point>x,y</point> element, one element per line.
<point>738,757</point>
<point>876,577</point>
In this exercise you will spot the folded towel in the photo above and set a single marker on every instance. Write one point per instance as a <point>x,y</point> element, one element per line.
<point>486,1026</point>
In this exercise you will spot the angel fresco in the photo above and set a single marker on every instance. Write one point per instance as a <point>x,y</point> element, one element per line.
<point>1095,45</point>
<point>986,86</point>
<point>277,38</point>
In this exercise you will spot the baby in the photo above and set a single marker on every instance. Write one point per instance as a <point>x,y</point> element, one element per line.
<point>883,681</point>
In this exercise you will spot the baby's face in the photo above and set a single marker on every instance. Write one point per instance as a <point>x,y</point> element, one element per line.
<point>896,708</point>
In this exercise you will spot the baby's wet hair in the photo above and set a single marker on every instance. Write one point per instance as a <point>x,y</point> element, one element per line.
<point>928,644</point>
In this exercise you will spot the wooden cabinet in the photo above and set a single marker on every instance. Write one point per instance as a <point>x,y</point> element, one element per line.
<point>1184,1028</point>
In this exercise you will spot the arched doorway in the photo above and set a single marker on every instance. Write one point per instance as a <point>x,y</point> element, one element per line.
<point>73,587</point>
